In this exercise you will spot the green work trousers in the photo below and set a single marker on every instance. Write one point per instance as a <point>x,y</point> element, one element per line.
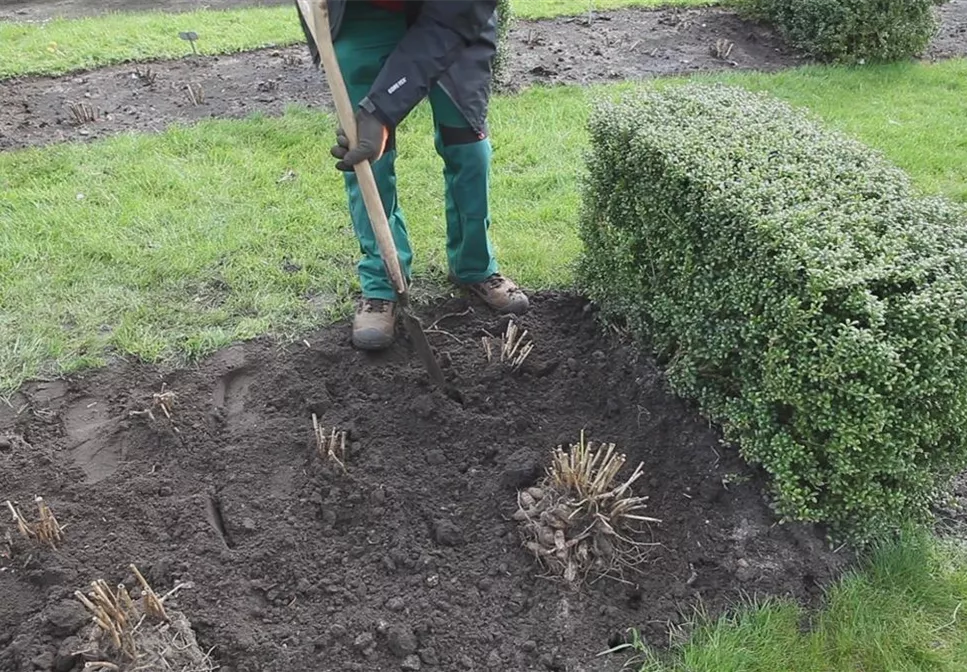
<point>367,37</point>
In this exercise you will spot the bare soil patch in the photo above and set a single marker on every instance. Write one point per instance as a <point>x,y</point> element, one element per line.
<point>951,39</point>
<point>410,558</point>
<point>630,44</point>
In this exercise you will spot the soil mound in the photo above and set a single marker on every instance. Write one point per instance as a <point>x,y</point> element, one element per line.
<point>410,558</point>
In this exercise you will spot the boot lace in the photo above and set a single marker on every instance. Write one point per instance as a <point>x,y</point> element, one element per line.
<point>375,305</point>
<point>497,281</point>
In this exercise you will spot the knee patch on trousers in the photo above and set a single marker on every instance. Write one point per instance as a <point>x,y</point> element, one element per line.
<point>454,135</point>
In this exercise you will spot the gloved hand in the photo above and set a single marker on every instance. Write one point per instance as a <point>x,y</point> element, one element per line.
<point>373,137</point>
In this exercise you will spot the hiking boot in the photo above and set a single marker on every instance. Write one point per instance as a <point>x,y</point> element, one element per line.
<point>374,326</point>
<point>501,294</point>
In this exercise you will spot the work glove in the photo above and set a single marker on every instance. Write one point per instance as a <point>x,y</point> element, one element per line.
<point>373,136</point>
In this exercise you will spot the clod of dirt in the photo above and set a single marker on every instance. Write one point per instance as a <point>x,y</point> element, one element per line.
<point>44,661</point>
<point>423,406</point>
<point>401,640</point>
<point>521,469</point>
<point>429,656</point>
<point>364,641</point>
<point>66,618</point>
<point>411,663</point>
<point>447,533</point>
<point>553,663</point>
<point>67,655</point>
<point>396,604</point>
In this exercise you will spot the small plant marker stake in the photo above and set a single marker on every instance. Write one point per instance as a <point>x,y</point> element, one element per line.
<point>190,36</point>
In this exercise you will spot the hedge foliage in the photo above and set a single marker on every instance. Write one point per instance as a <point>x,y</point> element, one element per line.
<point>851,31</point>
<point>796,286</point>
<point>505,19</point>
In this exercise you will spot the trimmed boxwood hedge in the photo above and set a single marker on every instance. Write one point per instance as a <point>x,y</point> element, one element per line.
<point>796,286</point>
<point>852,31</point>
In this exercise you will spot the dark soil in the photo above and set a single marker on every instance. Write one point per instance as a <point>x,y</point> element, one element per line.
<point>42,10</point>
<point>629,44</point>
<point>951,40</point>
<point>408,561</point>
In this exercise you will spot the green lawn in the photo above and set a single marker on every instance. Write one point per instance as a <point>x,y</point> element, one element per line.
<point>61,45</point>
<point>903,613</point>
<point>169,246</point>
<point>175,244</point>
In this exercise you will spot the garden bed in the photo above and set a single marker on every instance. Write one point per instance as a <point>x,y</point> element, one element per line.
<point>620,45</point>
<point>289,563</point>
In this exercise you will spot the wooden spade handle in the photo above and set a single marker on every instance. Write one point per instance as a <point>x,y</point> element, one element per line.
<point>318,19</point>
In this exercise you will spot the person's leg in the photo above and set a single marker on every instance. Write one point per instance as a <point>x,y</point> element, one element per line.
<point>367,36</point>
<point>466,174</point>
<point>466,159</point>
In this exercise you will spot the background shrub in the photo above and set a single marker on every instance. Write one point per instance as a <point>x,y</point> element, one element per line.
<point>851,31</point>
<point>795,286</point>
<point>505,19</point>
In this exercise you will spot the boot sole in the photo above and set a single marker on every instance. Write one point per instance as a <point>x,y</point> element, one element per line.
<point>373,342</point>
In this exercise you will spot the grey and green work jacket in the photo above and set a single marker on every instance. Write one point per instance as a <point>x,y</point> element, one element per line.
<point>449,42</point>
